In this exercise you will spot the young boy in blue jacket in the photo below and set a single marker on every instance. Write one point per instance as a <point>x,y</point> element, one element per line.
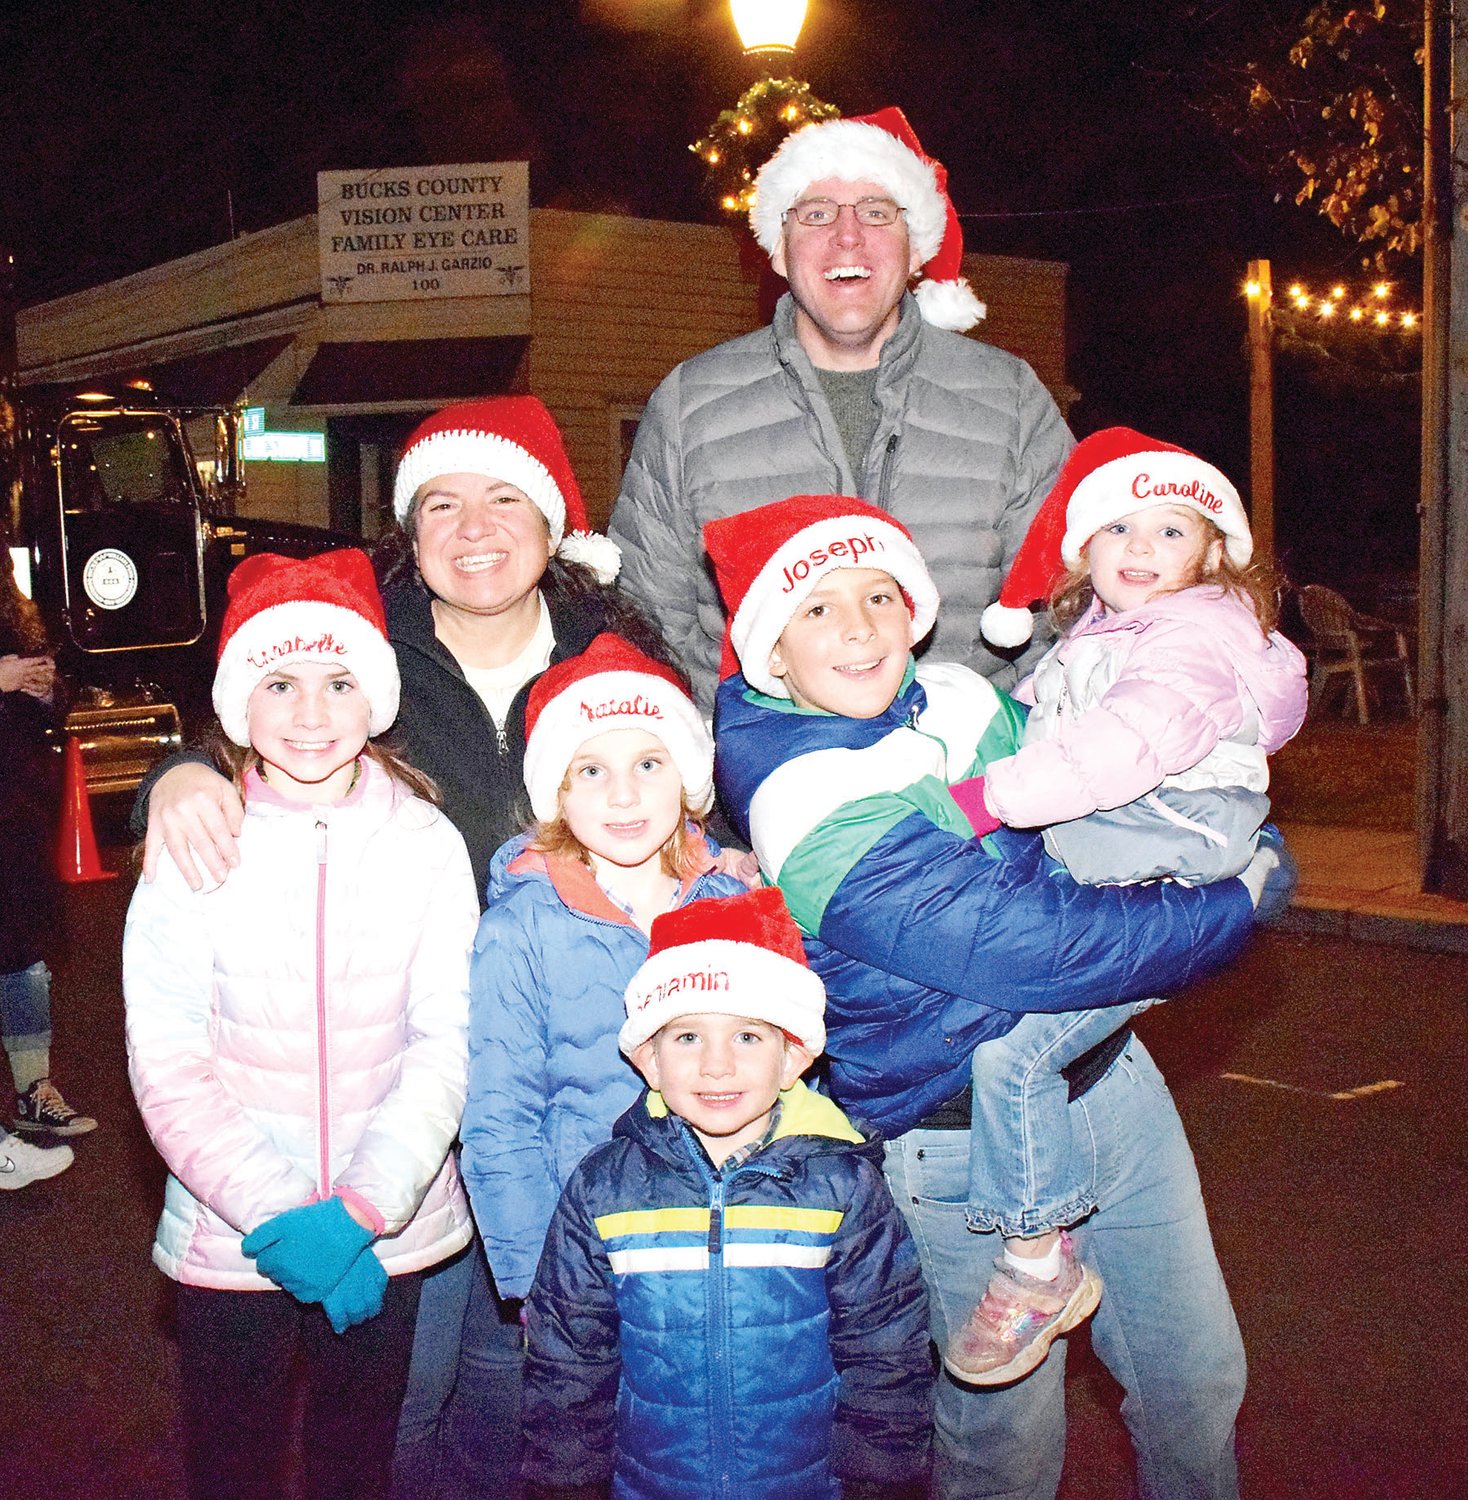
<point>728,1304</point>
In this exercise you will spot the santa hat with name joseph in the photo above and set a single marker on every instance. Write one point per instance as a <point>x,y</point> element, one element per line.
<point>288,609</point>
<point>611,685</point>
<point>768,560</point>
<point>735,956</point>
<point>880,148</point>
<point>513,439</point>
<point>1110,474</point>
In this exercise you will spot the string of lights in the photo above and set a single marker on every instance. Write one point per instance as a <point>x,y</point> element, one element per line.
<point>1363,309</point>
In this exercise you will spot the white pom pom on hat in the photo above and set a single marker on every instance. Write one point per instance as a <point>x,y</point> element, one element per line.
<point>1111,474</point>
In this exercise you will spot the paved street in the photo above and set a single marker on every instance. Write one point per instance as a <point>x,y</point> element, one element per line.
<point>1322,1082</point>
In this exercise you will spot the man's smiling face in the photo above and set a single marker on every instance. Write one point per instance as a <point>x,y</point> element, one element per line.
<point>847,280</point>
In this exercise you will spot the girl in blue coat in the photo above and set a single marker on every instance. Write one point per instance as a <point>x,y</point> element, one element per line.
<point>619,769</point>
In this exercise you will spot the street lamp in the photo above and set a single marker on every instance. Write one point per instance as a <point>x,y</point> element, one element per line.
<point>768,28</point>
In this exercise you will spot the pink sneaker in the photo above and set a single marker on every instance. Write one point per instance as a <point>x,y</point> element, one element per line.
<point>1011,1330</point>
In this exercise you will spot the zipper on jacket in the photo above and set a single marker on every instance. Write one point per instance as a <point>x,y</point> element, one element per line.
<point>323,1129</point>
<point>884,482</point>
<point>721,1376</point>
<point>501,739</point>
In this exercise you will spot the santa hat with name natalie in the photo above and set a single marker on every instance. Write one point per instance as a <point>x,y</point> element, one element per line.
<point>735,956</point>
<point>1108,475</point>
<point>611,685</point>
<point>289,609</point>
<point>768,560</point>
<point>880,148</point>
<point>513,439</point>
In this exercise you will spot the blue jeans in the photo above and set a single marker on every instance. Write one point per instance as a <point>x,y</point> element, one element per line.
<point>459,1429</point>
<point>25,1009</point>
<point>1165,1328</point>
<point>1024,1176</point>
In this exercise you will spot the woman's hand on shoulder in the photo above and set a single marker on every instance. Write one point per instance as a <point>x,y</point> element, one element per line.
<point>196,814</point>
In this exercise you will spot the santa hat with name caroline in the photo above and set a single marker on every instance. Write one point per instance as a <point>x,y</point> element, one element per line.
<point>611,685</point>
<point>768,560</point>
<point>322,609</point>
<point>1108,475</point>
<point>735,956</point>
<point>880,148</point>
<point>513,439</point>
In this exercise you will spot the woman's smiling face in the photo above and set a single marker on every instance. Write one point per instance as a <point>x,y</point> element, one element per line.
<point>481,544</point>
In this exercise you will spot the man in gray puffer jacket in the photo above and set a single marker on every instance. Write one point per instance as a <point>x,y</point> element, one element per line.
<point>858,387</point>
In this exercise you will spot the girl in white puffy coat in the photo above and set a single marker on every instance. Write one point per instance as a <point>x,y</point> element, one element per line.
<point>297,1045</point>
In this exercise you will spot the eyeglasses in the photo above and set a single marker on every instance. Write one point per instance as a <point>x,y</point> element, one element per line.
<point>822,213</point>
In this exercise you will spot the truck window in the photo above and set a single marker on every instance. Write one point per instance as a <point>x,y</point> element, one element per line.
<point>121,460</point>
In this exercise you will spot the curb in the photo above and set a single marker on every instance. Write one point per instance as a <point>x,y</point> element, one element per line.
<point>1362,924</point>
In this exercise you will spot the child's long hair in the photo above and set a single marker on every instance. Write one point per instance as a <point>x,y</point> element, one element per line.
<point>1260,584</point>
<point>678,856</point>
<point>236,762</point>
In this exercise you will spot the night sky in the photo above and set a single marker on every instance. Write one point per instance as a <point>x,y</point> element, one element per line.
<point>1071,131</point>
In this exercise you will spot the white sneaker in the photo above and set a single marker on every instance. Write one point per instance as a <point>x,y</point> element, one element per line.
<point>21,1163</point>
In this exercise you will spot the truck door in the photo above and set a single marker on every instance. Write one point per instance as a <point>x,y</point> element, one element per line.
<point>132,540</point>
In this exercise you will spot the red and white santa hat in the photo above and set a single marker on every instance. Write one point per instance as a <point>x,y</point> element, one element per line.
<point>1110,474</point>
<point>611,685</point>
<point>884,149</point>
<point>289,609</point>
<point>513,439</point>
<point>768,560</point>
<point>735,956</point>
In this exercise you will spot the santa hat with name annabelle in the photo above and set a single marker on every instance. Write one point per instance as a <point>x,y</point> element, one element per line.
<point>881,148</point>
<point>735,956</point>
<point>1110,474</point>
<point>768,560</point>
<point>513,439</point>
<point>288,609</point>
<point>611,685</point>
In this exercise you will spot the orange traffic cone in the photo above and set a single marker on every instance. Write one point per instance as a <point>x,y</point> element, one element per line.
<point>76,842</point>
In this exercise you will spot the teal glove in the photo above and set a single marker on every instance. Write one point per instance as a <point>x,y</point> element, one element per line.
<point>358,1295</point>
<point>306,1251</point>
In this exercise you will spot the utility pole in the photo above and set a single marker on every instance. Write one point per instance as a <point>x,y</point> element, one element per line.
<point>1261,407</point>
<point>1442,758</point>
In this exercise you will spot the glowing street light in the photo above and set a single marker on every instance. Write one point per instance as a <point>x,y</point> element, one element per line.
<point>768,26</point>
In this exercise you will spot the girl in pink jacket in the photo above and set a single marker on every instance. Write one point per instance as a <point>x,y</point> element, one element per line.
<point>297,1044</point>
<point>1145,758</point>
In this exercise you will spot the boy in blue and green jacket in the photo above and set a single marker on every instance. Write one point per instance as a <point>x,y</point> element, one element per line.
<point>728,1304</point>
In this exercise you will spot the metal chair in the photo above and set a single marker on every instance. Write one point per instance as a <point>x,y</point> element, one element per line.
<point>1347,644</point>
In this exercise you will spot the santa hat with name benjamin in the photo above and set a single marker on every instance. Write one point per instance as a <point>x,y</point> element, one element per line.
<point>289,609</point>
<point>735,956</point>
<point>769,559</point>
<point>513,439</point>
<point>884,149</point>
<point>611,685</point>
<point>1108,475</point>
